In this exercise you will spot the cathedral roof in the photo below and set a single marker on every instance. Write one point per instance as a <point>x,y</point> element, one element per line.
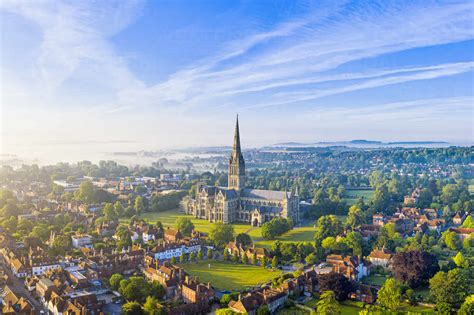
<point>264,194</point>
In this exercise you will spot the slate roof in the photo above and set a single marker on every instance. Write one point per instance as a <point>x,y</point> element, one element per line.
<point>264,194</point>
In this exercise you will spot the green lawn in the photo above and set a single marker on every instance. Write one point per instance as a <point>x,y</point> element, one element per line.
<point>374,280</point>
<point>352,195</point>
<point>229,276</point>
<point>168,218</point>
<point>298,234</point>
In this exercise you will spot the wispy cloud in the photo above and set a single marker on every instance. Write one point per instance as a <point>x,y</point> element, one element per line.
<point>302,58</point>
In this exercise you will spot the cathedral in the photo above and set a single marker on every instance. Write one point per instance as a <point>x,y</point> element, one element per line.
<point>236,203</point>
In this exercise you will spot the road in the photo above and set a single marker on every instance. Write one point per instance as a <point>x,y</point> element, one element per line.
<point>18,287</point>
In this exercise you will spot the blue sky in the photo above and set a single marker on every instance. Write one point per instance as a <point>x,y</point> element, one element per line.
<point>164,74</point>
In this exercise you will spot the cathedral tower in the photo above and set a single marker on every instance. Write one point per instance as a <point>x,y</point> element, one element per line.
<point>236,163</point>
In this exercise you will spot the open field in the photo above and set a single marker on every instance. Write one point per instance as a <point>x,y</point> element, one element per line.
<point>298,234</point>
<point>374,280</point>
<point>229,276</point>
<point>168,218</point>
<point>352,195</point>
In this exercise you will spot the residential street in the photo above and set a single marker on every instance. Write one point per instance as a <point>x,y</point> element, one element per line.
<point>18,287</point>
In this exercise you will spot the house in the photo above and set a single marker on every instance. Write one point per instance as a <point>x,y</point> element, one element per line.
<point>172,235</point>
<point>18,269</point>
<point>169,276</point>
<point>240,250</point>
<point>249,304</point>
<point>13,304</point>
<point>193,291</point>
<point>167,250</point>
<point>44,287</point>
<point>378,219</point>
<point>363,292</point>
<point>412,199</point>
<point>458,218</point>
<point>353,267</point>
<point>462,233</point>
<point>81,240</point>
<point>381,257</point>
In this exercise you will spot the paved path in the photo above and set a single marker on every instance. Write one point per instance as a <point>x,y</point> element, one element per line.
<point>17,286</point>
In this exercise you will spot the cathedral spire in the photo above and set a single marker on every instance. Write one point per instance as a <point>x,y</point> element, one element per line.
<point>236,162</point>
<point>236,149</point>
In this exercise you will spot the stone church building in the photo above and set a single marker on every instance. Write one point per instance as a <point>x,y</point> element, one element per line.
<point>236,203</point>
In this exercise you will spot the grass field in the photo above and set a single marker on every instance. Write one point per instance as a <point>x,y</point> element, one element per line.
<point>229,276</point>
<point>168,218</point>
<point>352,195</point>
<point>374,280</point>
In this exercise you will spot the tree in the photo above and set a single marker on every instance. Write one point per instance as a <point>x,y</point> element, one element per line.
<point>225,299</point>
<point>329,243</point>
<point>200,256</point>
<point>263,310</point>
<point>460,261</point>
<point>85,192</point>
<point>61,244</point>
<point>264,261</point>
<point>276,227</point>
<point>327,225</point>
<point>244,239</point>
<point>245,259</point>
<point>132,308</point>
<point>192,256</point>
<point>225,254</point>
<point>119,210</point>
<point>467,308</point>
<point>354,241</point>
<point>182,258</point>
<point>254,259</point>
<point>327,304</point>
<point>468,223</point>
<point>452,241</point>
<point>135,289</point>
<point>336,283</point>
<point>209,253</point>
<point>221,234</point>
<point>185,226</point>
<point>449,289</point>
<point>390,296</point>
<point>151,306</point>
<point>114,281</point>
<point>274,262</point>
<point>235,257</point>
<point>109,212</point>
<point>139,206</point>
<point>355,217</point>
<point>414,268</point>
<point>311,259</point>
<point>40,231</point>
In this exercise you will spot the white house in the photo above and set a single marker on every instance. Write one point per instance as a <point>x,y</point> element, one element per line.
<point>83,240</point>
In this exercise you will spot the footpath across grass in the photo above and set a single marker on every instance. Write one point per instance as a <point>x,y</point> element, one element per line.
<point>230,276</point>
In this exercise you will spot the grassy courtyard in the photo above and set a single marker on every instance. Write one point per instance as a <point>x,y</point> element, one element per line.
<point>353,195</point>
<point>229,276</point>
